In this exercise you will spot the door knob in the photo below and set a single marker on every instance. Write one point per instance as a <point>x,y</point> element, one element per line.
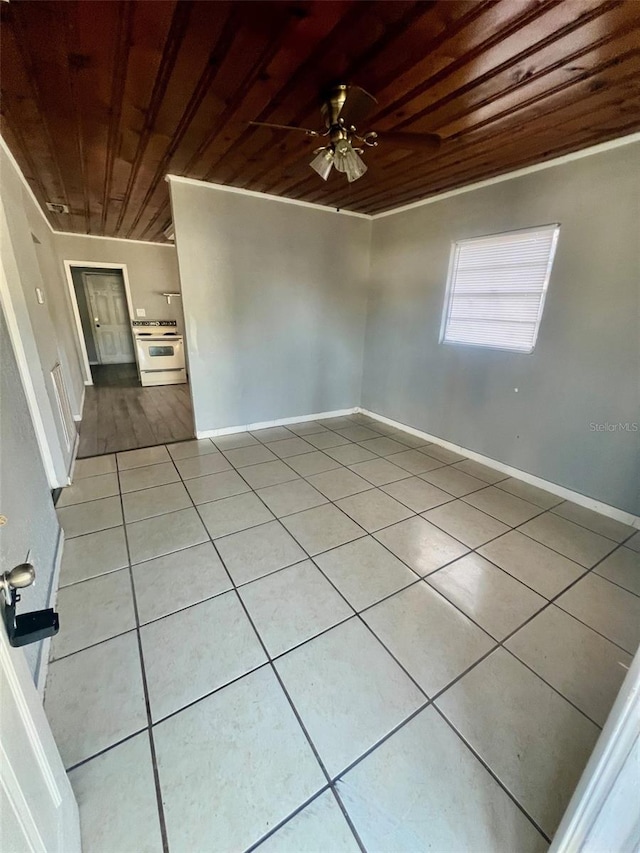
<point>18,578</point>
<point>27,627</point>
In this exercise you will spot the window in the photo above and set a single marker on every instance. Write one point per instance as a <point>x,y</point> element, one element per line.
<point>496,289</point>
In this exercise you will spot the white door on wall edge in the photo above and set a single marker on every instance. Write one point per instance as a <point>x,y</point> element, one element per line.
<point>110,317</point>
<point>38,810</point>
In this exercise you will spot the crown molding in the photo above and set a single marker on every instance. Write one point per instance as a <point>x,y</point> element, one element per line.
<point>518,173</point>
<point>31,194</point>
<point>507,176</point>
<point>178,179</point>
<point>117,239</point>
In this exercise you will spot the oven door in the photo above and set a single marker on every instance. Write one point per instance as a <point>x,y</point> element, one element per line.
<point>160,353</point>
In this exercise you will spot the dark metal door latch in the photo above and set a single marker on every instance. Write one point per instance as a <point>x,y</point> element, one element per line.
<point>27,627</point>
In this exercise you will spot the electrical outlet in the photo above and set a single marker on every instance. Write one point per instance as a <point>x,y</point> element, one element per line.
<point>141,312</point>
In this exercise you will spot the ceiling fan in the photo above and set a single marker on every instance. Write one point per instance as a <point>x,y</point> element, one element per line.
<point>344,108</point>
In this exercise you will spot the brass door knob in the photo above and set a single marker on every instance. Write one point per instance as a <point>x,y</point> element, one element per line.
<point>19,577</point>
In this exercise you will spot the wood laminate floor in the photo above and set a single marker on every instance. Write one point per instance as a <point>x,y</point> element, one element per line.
<point>120,414</point>
<point>115,375</point>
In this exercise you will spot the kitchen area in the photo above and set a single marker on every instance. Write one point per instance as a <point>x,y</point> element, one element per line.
<point>136,381</point>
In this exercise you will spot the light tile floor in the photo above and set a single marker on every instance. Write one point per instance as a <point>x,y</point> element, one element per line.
<point>330,637</point>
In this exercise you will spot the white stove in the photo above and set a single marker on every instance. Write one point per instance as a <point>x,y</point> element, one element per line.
<point>159,352</point>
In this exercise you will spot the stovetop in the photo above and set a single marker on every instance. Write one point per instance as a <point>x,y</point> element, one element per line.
<point>173,323</point>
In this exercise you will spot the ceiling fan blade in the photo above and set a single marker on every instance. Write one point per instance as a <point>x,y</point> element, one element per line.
<point>411,141</point>
<point>285,127</point>
<point>357,106</point>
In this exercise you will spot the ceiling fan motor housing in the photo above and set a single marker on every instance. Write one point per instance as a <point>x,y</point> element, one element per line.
<point>332,106</point>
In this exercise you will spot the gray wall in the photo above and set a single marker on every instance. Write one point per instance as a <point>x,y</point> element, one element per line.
<point>152,270</point>
<point>45,329</point>
<point>274,298</point>
<point>58,301</point>
<point>24,494</point>
<point>586,364</point>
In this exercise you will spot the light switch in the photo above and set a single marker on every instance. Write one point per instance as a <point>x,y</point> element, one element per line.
<point>141,312</point>
<point>40,295</point>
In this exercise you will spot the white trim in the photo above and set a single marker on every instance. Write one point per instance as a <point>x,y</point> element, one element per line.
<point>43,662</point>
<point>88,379</point>
<point>298,419</point>
<point>74,456</point>
<point>77,418</point>
<point>562,492</point>
<point>253,194</point>
<point>609,782</point>
<point>507,176</point>
<point>29,190</point>
<point>117,239</point>
<point>27,381</point>
<point>517,173</point>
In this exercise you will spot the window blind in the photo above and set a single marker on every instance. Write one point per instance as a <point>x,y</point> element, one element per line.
<point>496,289</point>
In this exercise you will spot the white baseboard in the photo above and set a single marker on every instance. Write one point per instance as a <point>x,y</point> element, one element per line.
<point>74,457</point>
<point>77,418</point>
<point>43,663</point>
<point>297,419</point>
<point>554,488</point>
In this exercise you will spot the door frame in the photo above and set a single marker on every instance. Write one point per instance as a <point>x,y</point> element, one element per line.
<point>28,741</point>
<point>608,781</point>
<point>68,266</point>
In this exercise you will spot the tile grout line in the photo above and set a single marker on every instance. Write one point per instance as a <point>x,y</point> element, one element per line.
<point>320,450</point>
<point>371,534</point>
<point>495,484</point>
<point>275,672</point>
<point>415,514</point>
<point>147,701</point>
<point>106,749</point>
<point>375,636</point>
<point>454,498</point>
<point>486,766</point>
<point>348,603</point>
<point>418,578</point>
<point>271,660</point>
<point>499,643</point>
<point>416,581</point>
<point>286,820</point>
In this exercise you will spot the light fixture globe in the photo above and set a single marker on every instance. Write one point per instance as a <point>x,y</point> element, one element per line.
<point>348,161</point>
<point>323,162</point>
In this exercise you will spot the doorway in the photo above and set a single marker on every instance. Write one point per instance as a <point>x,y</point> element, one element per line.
<point>104,318</point>
<point>119,412</point>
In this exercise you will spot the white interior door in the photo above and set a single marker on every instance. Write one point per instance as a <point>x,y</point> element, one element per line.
<point>38,810</point>
<point>110,317</point>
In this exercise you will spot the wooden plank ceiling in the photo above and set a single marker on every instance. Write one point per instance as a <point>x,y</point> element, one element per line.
<point>101,99</point>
